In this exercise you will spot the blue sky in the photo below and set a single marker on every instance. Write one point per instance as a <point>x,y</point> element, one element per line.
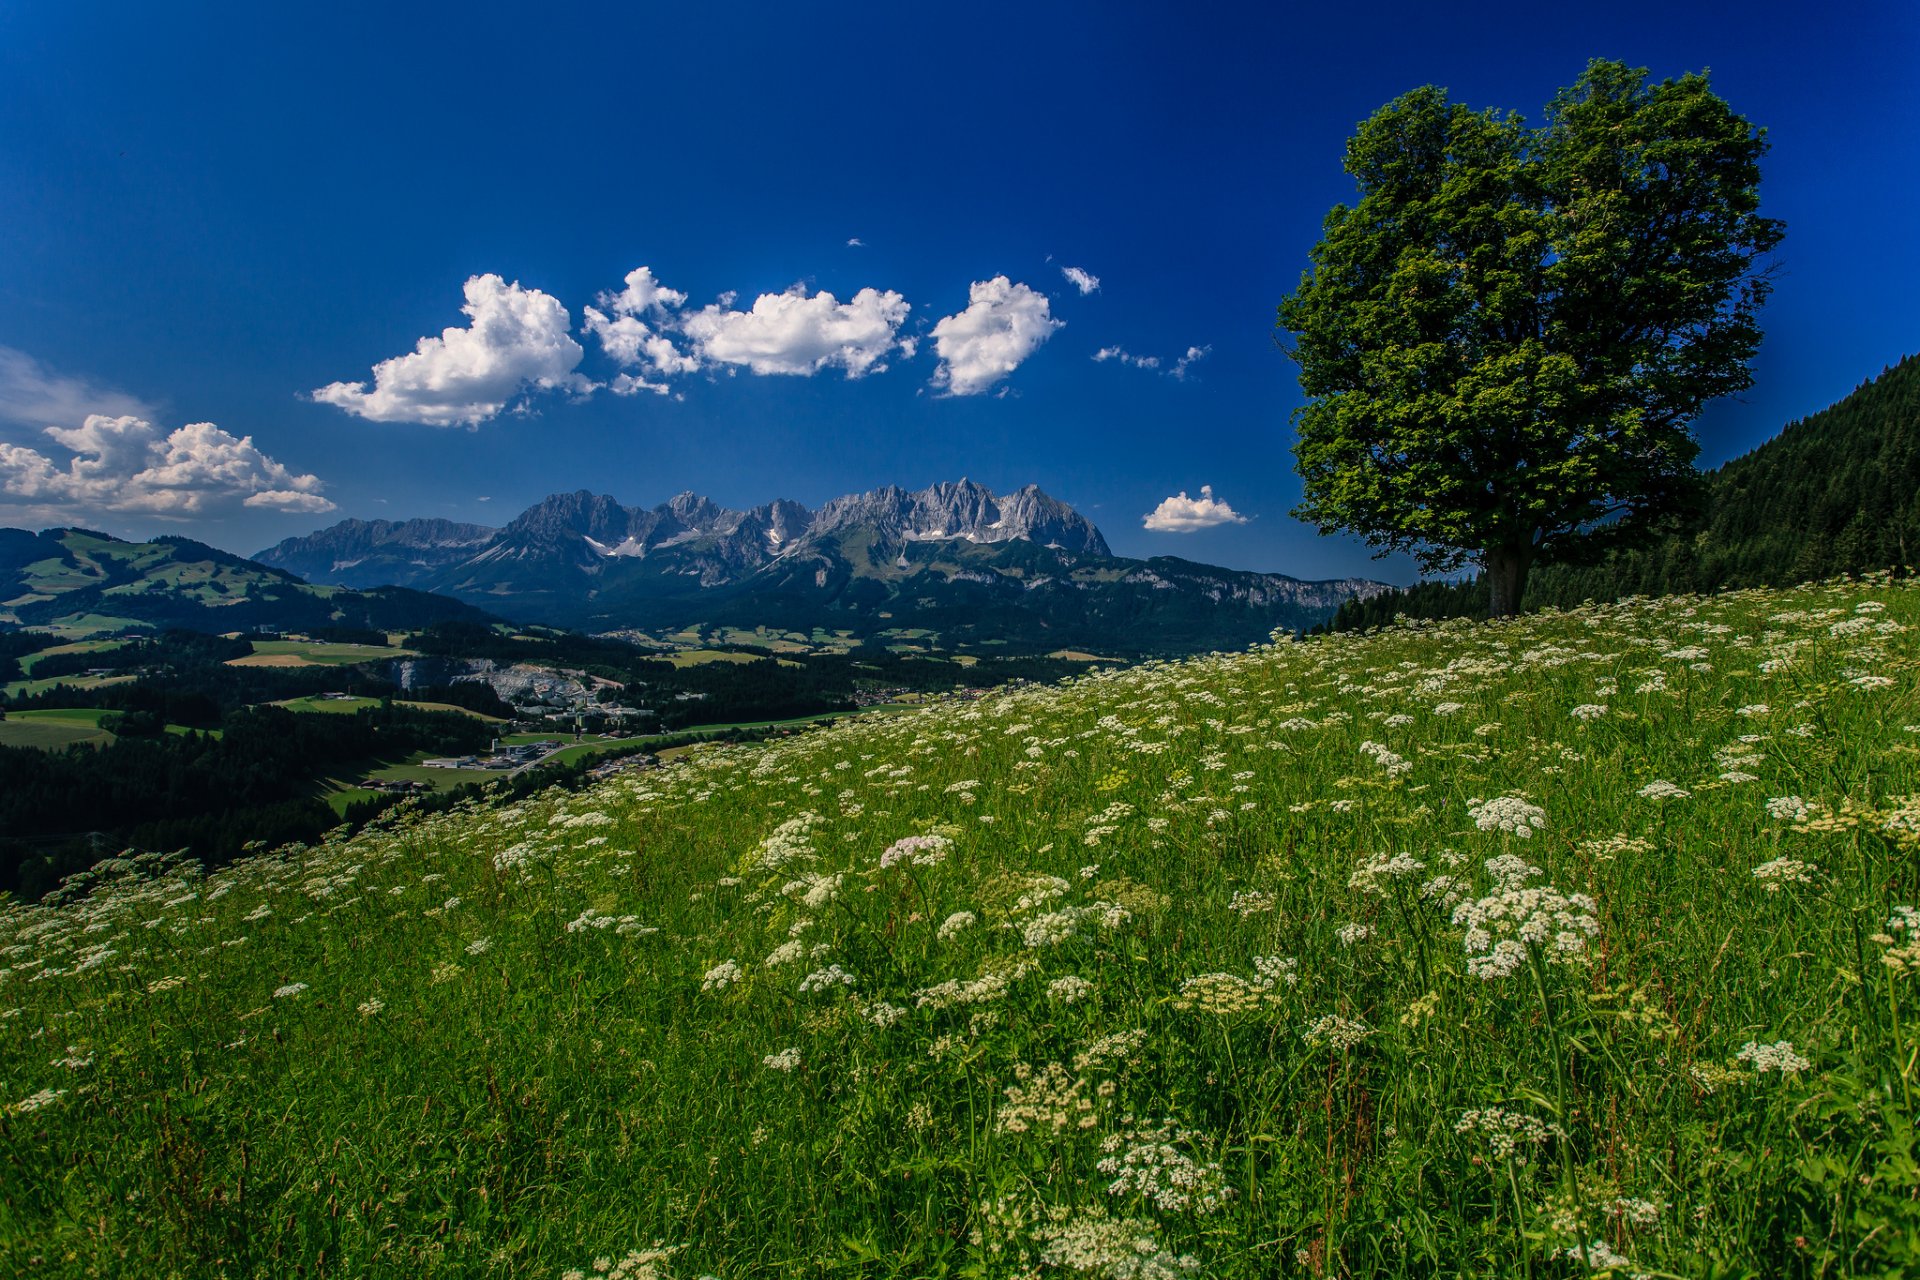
<point>212,212</point>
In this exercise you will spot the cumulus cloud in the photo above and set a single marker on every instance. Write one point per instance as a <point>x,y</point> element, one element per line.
<point>517,340</point>
<point>1003,324</point>
<point>1181,514</point>
<point>793,333</point>
<point>626,333</point>
<point>32,395</point>
<point>1085,281</point>
<point>855,242</point>
<point>643,293</point>
<point>126,464</point>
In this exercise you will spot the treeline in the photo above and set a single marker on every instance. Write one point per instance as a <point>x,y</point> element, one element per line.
<point>1834,493</point>
<point>256,781</point>
<point>183,677</point>
<point>15,645</point>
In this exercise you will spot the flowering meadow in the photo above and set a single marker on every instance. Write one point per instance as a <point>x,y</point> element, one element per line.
<point>1585,943</point>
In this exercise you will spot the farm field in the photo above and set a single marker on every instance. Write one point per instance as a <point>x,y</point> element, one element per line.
<point>26,729</point>
<point>1583,943</point>
<point>696,657</point>
<point>64,726</point>
<point>78,646</point>
<point>347,706</point>
<point>19,687</point>
<point>304,653</point>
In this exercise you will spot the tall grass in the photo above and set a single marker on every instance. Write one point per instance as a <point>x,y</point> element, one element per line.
<point>1574,944</point>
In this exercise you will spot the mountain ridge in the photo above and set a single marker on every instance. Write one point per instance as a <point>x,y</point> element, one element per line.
<point>953,557</point>
<point>80,579</point>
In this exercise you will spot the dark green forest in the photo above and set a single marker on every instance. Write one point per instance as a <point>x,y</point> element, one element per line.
<point>255,781</point>
<point>1834,493</point>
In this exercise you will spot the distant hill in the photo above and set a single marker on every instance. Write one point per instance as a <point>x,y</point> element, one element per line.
<point>978,568</point>
<point>89,581</point>
<point>1836,492</point>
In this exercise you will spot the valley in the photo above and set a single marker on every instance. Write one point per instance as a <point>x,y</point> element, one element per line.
<point>952,566</point>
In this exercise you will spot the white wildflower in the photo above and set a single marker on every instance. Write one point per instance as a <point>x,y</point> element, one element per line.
<point>1507,813</point>
<point>1781,872</point>
<point>1070,989</point>
<point>1787,809</point>
<point>826,979</point>
<point>920,851</point>
<point>1505,929</point>
<point>953,924</point>
<point>721,976</point>
<point>1778,1056</point>
<point>1338,1034</point>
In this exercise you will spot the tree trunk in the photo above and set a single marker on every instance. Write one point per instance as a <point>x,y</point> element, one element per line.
<point>1506,569</point>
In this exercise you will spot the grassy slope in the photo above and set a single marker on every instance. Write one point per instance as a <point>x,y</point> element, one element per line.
<point>503,1043</point>
<point>17,730</point>
<point>347,706</point>
<point>65,726</point>
<point>19,687</point>
<point>306,653</point>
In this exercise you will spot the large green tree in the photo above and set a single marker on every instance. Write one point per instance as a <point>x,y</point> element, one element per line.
<point>1505,341</point>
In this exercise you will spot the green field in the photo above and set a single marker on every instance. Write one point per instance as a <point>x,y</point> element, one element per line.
<point>18,730</point>
<point>20,687</point>
<point>65,726</point>
<point>438,779</point>
<point>342,788</point>
<point>1580,944</point>
<point>78,626</point>
<point>347,706</point>
<point>306,653</point>
<point>81,646</point>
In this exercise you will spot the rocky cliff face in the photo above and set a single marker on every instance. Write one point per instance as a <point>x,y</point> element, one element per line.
<point>965,512</point>
<point>369,553</point>
<point>516,683</point>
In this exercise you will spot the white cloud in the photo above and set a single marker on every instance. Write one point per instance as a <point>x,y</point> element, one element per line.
<point>126,464</point>
<point>1003,324</point>
<point>855,242</point>
<point>630,340</point>
<point>1182,514</point>
<point>1193,356</point>
<point>1177,370</point>
<point>1121,354</point>
<point>517,340</point>
<point>796,334</point>
<point>643,294</point>
<point>32,395</point>
<point>1085,281</point>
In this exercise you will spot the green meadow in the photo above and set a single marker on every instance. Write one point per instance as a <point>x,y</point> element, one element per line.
<point>65,727</point>
<point>1578,944</point>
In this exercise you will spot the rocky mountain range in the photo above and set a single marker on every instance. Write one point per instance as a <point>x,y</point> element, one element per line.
<point>1021,568</point>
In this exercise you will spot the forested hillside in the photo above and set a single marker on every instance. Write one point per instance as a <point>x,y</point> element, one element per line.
<point>1838,492</point>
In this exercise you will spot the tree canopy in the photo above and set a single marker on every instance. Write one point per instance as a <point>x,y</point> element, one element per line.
<point>1505,341</point>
